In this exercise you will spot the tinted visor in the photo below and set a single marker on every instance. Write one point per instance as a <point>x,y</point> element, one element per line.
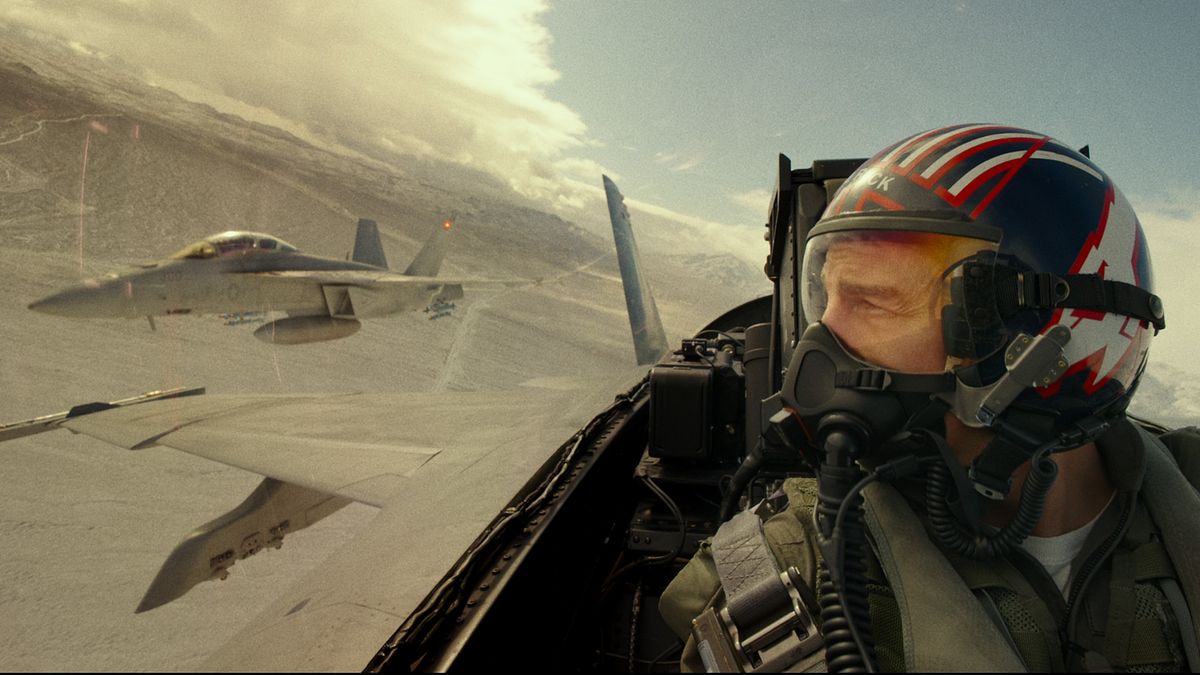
<point>889,295</point>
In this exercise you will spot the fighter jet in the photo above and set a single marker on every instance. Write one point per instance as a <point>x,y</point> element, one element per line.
<point>244,274</point>
<point>511,526</point>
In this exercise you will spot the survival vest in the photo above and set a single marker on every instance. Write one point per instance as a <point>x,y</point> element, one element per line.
<point>1130,590</point>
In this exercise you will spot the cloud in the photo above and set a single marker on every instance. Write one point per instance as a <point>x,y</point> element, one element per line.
<point>462,80</point>
<point>699,235</point>
<point>1171,221</point>
<point>458,80</point>
<point>755,200</point>
<point>677,162</point>
<point>687,164</point>
<point>584,169</point>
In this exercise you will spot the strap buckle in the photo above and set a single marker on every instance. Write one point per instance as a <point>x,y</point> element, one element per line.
<point>786,638</point>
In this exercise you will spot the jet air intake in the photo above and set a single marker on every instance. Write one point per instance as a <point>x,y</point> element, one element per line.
<point>298,330</point>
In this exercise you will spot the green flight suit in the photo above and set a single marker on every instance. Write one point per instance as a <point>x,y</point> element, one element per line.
<point>932,611</point>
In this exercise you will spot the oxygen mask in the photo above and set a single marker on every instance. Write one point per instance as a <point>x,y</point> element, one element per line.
<point>877,353</point>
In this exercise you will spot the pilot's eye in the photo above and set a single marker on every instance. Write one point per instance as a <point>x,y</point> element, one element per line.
<point>867,306</point>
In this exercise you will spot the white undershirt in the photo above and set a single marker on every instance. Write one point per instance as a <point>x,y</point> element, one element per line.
<point>1056,553</point>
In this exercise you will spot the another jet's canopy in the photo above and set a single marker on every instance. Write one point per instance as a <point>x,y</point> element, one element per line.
<point>233,242</point>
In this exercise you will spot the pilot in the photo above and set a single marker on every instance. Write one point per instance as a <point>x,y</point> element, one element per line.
<point>945,256</point>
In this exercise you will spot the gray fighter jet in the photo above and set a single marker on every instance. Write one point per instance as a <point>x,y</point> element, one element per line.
<point>248,273</point>
<point>455,475</point>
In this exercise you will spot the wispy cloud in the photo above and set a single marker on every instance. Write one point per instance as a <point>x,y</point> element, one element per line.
<point>755,200</point>
<point>678,162</point>
<point>1171,220</point>
<point>459,80</point>
<point>687,164</point>
<point>697,235</point>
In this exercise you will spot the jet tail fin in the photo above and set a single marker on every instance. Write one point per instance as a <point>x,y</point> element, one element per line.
<point>649,339</point>
<point>429,258</point>
<point>367,247</point>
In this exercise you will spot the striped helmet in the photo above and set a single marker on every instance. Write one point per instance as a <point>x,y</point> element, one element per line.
<point>1059,245</point>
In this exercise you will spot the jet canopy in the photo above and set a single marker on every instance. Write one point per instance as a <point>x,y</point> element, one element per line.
<point>232,243</point>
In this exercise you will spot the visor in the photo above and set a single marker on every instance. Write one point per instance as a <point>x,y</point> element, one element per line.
<point>894,297</point>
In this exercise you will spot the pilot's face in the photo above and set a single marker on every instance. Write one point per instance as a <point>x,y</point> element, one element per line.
<point>884,301</point>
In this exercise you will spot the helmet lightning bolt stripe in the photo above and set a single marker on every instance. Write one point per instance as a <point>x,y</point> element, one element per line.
<point>1059,217</point>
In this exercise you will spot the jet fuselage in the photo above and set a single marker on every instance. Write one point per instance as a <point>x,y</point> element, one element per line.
<point>239,272</point>
<point>230,284</point>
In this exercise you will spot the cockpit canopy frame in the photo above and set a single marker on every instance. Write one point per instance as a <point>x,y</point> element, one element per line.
<point>233,242</point>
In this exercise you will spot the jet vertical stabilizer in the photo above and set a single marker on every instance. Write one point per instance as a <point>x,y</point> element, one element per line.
<point>367,247</point>
<point>649,339</point>
<point>429,258</point>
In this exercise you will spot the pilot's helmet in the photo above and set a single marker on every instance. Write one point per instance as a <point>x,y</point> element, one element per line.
<point>1009,231</point>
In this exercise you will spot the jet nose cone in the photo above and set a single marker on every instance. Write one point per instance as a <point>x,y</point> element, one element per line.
<point>65,303</point>
<point>89,300</point>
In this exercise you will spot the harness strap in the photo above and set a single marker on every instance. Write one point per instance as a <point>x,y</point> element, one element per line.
<point>1170,588</point>
<point>1037,639</point>
<point>1150,561</point>
<point>1122,608</point>
<point>1152,565</point>
<point>1175,506</point>
<point>766,623</point>
<point>745,566</point>
<point>993,611</point>
<point>930,612</point>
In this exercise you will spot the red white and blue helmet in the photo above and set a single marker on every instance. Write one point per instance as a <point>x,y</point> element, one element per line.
<point>1062,247</point>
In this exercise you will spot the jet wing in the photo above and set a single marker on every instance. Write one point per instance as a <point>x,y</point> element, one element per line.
<point>368,294</point>
<point>441,465</point>
<point>365,447</point>
<point>366,278</point>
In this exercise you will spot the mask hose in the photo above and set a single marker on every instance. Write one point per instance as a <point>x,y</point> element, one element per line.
<point>837,410</point>
<point>950,533</point>
<point>845,611</point>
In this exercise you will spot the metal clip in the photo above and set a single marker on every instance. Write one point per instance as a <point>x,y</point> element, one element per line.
<point>787,639</point>
<point>1031,362</point>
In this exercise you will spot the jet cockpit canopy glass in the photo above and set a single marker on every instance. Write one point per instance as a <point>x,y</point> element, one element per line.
<point>230,243</point>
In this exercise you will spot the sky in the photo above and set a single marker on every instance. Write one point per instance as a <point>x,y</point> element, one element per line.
<point>687,104</point>
<point>700,90</point>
